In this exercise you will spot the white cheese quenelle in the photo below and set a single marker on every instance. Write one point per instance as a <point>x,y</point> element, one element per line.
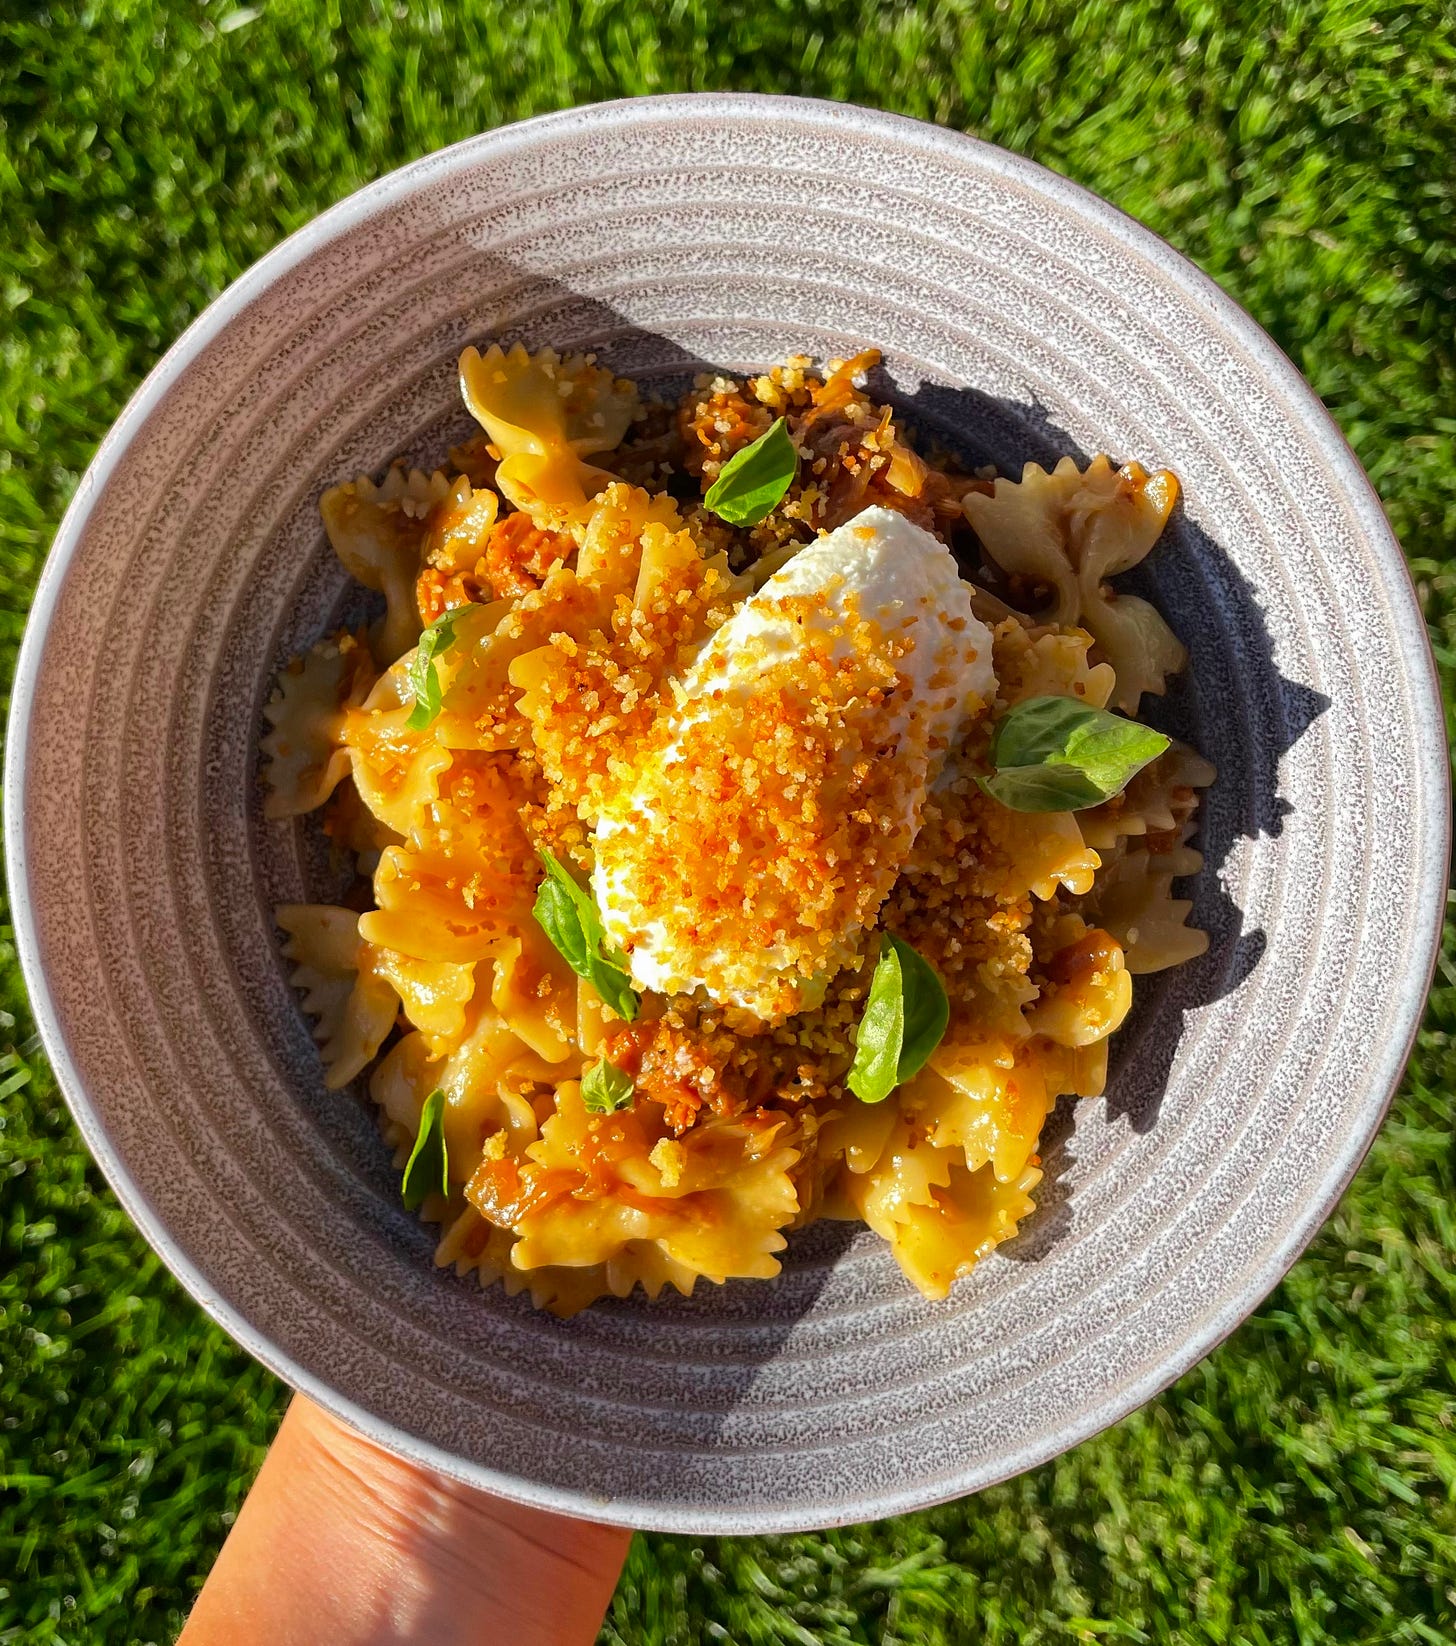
<point>782,791</point>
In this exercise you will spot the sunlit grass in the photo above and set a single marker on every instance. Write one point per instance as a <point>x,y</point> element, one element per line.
<point>1298,1486</point>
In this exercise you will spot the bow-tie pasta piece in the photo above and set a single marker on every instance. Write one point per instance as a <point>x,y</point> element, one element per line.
<point>545,415</point>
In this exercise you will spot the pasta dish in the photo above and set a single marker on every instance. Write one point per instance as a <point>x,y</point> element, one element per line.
<point>751,817</point>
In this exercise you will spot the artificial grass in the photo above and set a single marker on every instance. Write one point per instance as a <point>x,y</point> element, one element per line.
<point>1298,1486</point>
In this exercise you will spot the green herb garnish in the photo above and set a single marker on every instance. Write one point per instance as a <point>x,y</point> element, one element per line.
<point>423,678</point>
<point>427,1171</point>
<point>904,1020</point>
<point>1054,754</point>
<point>605,1088</point>
<point>753,481</point>
<point>569,917</point>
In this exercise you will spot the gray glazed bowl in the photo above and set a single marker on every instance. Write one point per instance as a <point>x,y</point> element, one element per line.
<point>1020,318</point>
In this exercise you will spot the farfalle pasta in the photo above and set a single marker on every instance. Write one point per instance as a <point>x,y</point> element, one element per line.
<point>750,820</point>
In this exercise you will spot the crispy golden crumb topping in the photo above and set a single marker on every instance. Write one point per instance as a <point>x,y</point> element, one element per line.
<point>770,819</point>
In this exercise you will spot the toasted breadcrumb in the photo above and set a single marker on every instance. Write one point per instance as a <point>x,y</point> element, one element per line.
<point>853,452</point>
<point>670,1158</point>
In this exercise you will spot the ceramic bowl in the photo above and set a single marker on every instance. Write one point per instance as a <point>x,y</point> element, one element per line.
<point>1020,318</point>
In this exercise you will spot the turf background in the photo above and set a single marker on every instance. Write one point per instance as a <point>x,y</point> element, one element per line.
<point>1300,1485</point>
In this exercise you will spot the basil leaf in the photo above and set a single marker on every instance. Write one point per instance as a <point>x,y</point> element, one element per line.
<point>1042,789</point>
<point>558,915</point>
<point>875,1071</point>
<point>753,481</point>
<point>427,1171</point>
<point>927,1011</point>
<point>423,678</point>
<point>1054,754</point>
<point>569,917</point>
<point>605,1088</point>
<point>904,1021</point>
<point>612,982</point>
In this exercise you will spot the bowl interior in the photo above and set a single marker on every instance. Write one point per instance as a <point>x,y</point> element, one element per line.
<point>1020,320</point>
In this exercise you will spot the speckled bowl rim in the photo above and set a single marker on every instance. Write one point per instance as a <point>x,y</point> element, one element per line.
<point>1297,396</point>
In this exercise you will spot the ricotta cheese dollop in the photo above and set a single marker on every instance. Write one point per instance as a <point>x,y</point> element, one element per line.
<point>782,791</point>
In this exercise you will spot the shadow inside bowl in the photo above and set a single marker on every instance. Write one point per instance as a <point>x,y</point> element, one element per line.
<point>1233,704</point>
